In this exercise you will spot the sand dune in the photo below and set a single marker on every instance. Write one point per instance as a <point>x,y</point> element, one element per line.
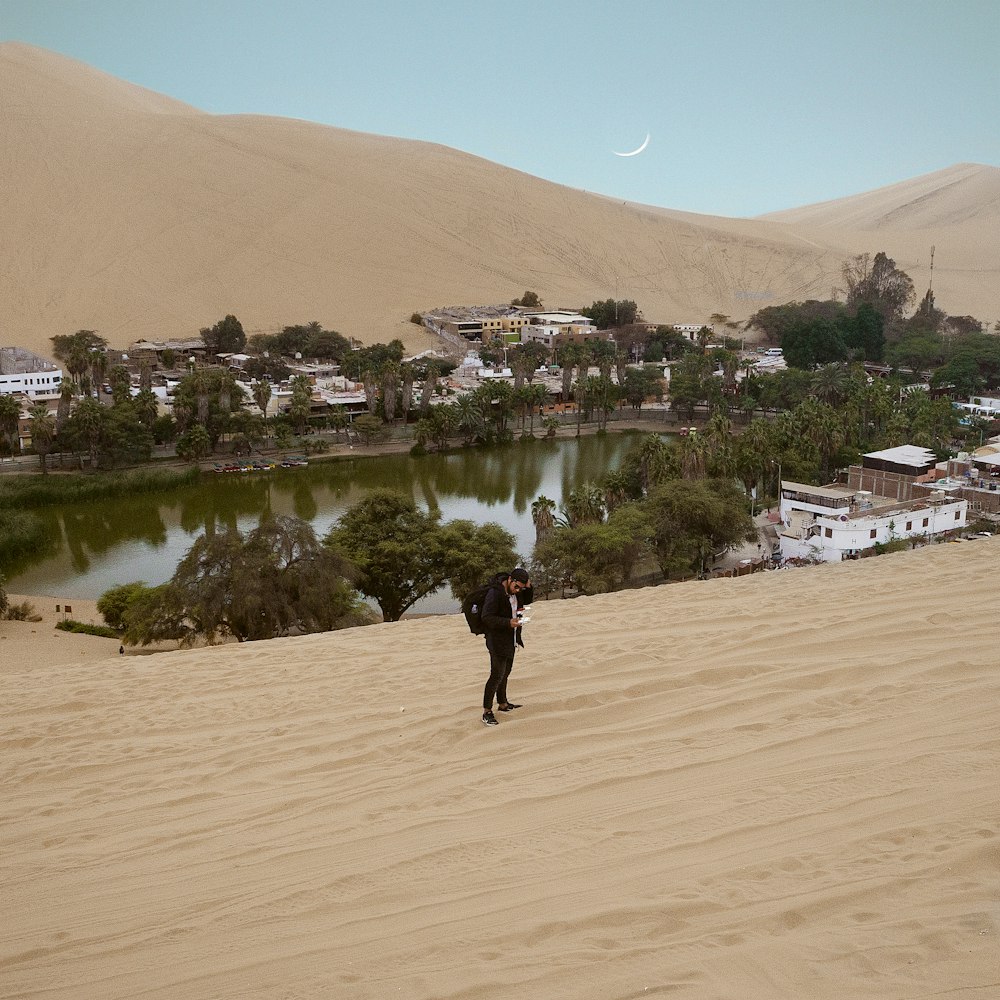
<point>769,787</point>
<point>133,214</point>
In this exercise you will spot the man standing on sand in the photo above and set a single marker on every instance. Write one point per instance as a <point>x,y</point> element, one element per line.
<point>501,624</point>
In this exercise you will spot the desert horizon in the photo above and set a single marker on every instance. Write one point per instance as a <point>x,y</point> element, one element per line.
<point>138,216</point>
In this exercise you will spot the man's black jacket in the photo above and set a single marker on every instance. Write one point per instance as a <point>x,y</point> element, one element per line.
<point>496,616</point>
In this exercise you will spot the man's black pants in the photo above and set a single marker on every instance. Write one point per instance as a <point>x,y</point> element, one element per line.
<point>501,664</point>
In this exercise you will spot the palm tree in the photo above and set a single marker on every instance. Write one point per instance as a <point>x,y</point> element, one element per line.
<point>430,384</point>
<point>616,488</point>
<point>718,443</point>
<point>10,415</point>
<point>538,395</point>
<point>338,420</point>
<point>751,451</point>
<point>43,432</point>
<point>65,405</point>
<point>89,418</point>
<point>569,355</point>
<point>522,364</point>
<point>694,453</point>
<point>502,404</point>
<point>521,401</point>
<point>407,375</point>
<point>604,354</point>
<point>543,515</point>
<point>584,505</point>
<point>830,384</point>
<point>262,396</point>
<point>656,462</point>
<point>390,390</point>
<point>469,419</point>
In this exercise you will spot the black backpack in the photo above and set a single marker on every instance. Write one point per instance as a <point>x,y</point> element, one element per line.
<point>472,608</point>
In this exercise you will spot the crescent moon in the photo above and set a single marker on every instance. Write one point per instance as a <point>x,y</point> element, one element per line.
<point>635,152</point>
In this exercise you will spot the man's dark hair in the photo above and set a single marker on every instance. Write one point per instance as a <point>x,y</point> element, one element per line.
<point>519,575</point>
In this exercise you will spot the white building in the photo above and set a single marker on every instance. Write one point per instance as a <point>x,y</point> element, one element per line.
<point>981,406</point>
<point>27,373</point>
<point>831,523</point>
<point>689,330</point>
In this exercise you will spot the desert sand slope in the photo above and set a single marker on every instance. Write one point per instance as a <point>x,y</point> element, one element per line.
<point>135,215</point>
<point>770,787</point>
<point>956,210</point>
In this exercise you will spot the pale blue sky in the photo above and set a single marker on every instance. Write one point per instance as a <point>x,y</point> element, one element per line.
<point>752,107</point>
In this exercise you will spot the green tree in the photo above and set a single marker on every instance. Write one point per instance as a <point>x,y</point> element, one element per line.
<point>207,397</point>
<point>225,337</point>
<point>121,385</point>
<point>543,515</point>
<point>692,519</point>
<point>830,383</point>
<point>879,283</point>
<point>690,383</point>
<point>569,354</point>
<point>642,383</point>
<point>470,420</point>
<point>277,580</point>
<point>522,365</point>
<point>594,557</point>
<point>370,429</point>
<point>194,444</point>
<point>403,553</point>
<point>613,313</point>
<point>866,333</point>
<point>113,604</point>
<point>10,415</point>
<point>810,343</point>
<point>301,403</point>
<point>478,551</point>
<point>326,345</point>
<point>43,433</point>
<point>529,300</point>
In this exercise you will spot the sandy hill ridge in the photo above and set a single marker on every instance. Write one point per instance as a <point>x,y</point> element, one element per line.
<point>771,787</point>
<point>945,199</point>
<point>135,215</point>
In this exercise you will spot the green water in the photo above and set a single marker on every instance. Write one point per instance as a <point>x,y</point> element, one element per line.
<point>99,545</point>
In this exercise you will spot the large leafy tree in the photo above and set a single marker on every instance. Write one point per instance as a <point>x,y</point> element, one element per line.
<point>878,282</point>
<point>642,383</point>
<point>691,383</point>
<point>866,333</point>
<point>276,580</point>
<point>225,337</point>
<point>593,557</point>
<point>692,519</point>
<point>403,553</point>
<point>611,313</point>
<point>813,342</point>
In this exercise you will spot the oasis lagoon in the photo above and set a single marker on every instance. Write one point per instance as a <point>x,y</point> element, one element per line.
<point>92,547</point>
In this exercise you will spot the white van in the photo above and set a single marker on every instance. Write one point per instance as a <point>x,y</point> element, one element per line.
<point>773,352</point>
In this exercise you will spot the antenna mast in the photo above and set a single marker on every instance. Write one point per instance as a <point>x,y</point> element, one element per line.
<point>930,284</point>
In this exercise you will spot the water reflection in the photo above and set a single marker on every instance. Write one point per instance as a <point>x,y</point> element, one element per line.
<point>99,545</point>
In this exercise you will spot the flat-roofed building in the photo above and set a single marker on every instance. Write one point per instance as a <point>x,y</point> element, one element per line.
<point>832,523</point>
<point>23,372</point>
